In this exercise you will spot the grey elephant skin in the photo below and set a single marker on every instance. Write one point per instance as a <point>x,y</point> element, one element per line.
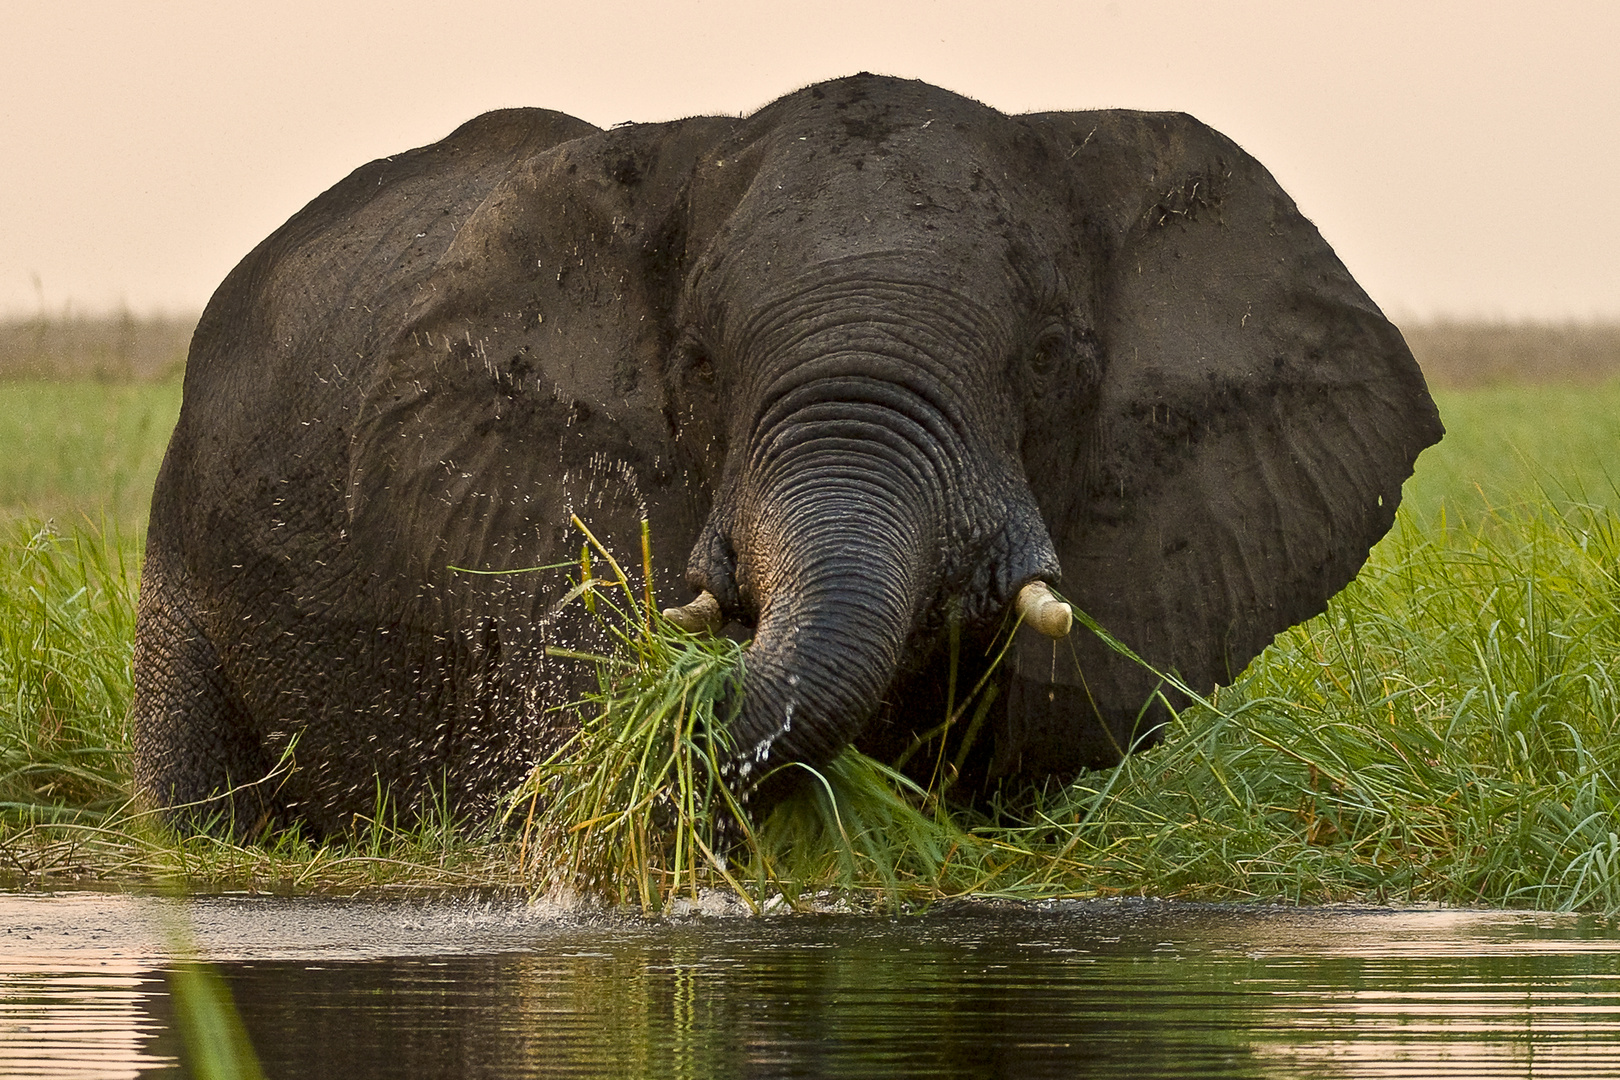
<point>868,361</point>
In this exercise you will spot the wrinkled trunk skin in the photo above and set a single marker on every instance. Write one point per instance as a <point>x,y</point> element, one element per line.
<point>850,562</point>
<point>843,582</point>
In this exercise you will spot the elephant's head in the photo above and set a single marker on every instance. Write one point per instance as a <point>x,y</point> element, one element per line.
<point>887,356</point>
<point>944,353</point>
<point>892,297</point>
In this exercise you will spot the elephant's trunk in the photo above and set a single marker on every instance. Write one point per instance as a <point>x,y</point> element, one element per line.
<point>841,578</point>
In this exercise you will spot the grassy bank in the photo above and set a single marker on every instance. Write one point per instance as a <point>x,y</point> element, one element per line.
<point>1449,730</point>
<point>83,451</point>
<point>67,619</point>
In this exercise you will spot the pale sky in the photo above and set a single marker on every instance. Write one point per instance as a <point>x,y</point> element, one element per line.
<point>1462,157</point>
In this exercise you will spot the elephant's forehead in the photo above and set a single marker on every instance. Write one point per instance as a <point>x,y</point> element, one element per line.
<point>915,163</point>
<point>927,204</point>
<point>952,190</point>
<point>869,109</point>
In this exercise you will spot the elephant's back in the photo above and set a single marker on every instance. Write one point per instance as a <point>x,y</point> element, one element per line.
<point>299,318</point>
<point>334,270</point>
<point>289,342</point>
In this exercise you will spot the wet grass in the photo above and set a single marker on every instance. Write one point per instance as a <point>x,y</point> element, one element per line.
<point>67,619</point>
<point>1448,731</point>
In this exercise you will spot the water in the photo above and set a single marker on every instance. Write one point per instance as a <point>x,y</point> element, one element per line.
<point>1138,989</point>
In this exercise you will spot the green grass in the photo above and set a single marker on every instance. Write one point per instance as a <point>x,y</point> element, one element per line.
<point>83,450</point>
<point>1523,445</point>
<point>66,620</point>
<point>1448,731</point>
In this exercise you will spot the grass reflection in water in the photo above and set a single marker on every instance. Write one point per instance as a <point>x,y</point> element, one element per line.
<point>1003,994</point>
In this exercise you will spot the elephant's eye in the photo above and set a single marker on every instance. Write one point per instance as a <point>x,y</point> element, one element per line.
<point>693,361</point>
<point>1048,355</point>
<point>700,367</point>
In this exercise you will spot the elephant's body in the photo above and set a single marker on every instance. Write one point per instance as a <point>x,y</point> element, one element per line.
<point>875,357</point>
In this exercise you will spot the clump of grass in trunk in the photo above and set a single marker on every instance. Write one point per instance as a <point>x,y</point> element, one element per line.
<point>631,810</point>
<point>628,809</point>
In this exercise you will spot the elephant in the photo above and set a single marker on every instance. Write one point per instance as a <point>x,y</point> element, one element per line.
<point>871,363</point>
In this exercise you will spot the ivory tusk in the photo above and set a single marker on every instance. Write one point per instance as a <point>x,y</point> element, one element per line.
<point>1044,611</point>
<point>701,616</point>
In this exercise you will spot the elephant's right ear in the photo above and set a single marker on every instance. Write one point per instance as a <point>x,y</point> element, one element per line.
<point>1256,418</point>
<point>525,381</point>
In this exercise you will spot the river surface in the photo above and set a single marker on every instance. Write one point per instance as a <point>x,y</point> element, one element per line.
<point>464,988</point>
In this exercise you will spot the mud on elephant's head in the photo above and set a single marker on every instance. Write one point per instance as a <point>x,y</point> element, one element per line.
<point>879,357</point>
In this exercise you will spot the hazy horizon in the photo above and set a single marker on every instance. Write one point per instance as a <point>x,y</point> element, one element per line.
<point>1455,154</point>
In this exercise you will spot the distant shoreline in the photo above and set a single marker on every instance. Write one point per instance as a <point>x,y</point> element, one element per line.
<point>1454,355</point>
<point>1463,355</point>
<point>108,348</point>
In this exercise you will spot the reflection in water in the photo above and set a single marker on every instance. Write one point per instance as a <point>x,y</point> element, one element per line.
<point>1542,1014</point>
<point>989,995</point>
<point>1140,990</point>
<point>63,1024</point>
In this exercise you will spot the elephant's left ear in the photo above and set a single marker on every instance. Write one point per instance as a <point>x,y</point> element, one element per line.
<point>1257,414</point>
